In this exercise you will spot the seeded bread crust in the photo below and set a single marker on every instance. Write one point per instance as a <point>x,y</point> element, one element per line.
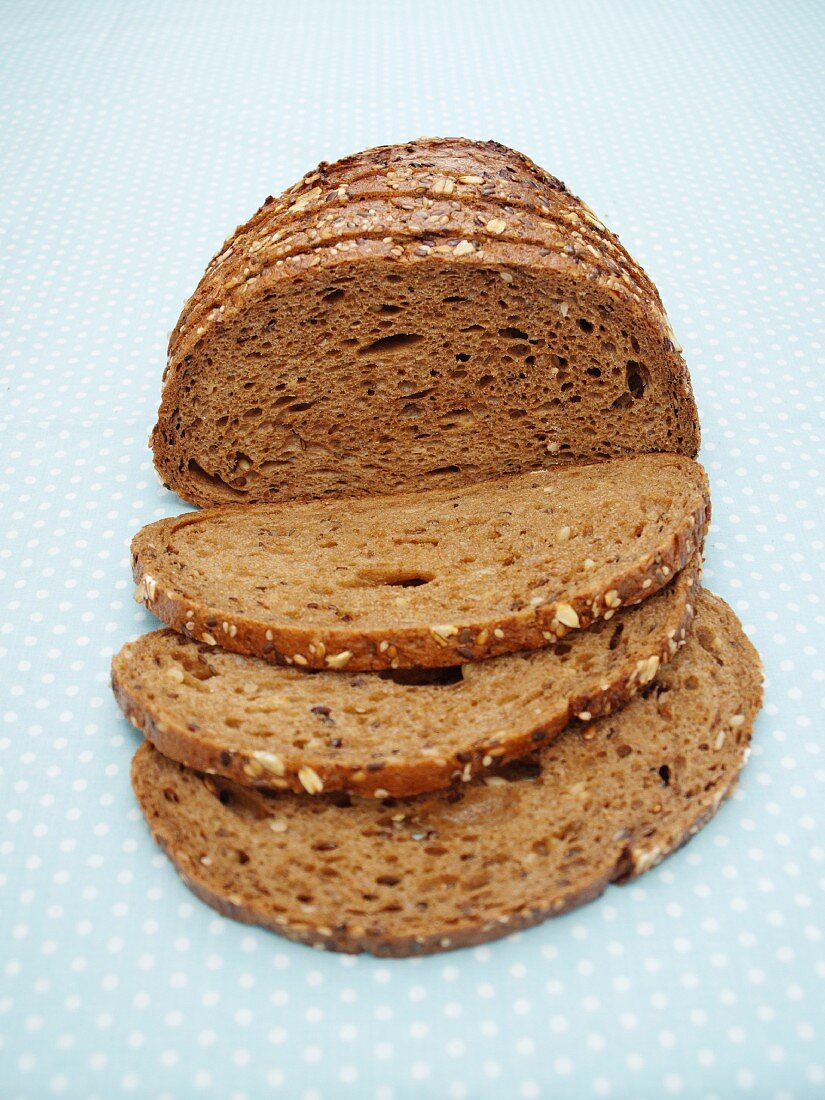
<point>431,219</point>
<point>470,171</point>
<point>268,727</point>
<point>314,636</point>
<point>270,248</point>
<point>602,804</point>
<point>272,238</point>
<point>472,181</point>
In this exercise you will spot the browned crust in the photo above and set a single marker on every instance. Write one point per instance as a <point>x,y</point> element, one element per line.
<point>262,238</point>
<point>470,170</point>
<point>409,213</point>
<point>378,779</point>
<point>407,647</point>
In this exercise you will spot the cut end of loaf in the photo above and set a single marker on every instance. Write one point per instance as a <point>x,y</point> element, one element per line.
<point>423,323</point>
<point>370,380</point>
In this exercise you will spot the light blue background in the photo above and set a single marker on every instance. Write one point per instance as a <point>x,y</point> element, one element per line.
<point>133,137</point>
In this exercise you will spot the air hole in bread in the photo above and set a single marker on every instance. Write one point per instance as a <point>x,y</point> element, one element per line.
<point>388,344</point>
<point>387,880</point>
<point>585,325</point>
<point>212,481</point>
<point>372,578</point>
<point>519,771</point>
<point>333,296</point>
<point>419,677</point>
<point>664,775</point>
<point>192,662</point>
<point>637,377</point>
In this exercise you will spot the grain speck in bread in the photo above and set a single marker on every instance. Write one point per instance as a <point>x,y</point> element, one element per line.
<point>395,732</point>
<point>601,804</point>
<point>377,363</point>
<point>427,579</point>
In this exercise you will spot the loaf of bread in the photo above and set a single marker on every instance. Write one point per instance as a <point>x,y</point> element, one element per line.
<point>602,803</point>
<point>394,733</point>
<point>426,579</point>
<point>449,670</point>
<point>431,314</point>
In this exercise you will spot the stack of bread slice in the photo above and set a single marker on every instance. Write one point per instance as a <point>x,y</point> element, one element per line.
<point>438,665</point>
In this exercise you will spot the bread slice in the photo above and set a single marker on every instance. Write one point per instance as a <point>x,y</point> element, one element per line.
<point>388,734</point>
<point>379,362</point>
<point>428,580</point>
<point>601,804</point>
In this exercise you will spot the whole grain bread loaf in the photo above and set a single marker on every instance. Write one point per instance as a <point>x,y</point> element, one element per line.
<point>394,733</point>
<point>427,579</point>
<point>436,313</point>
<point>603,803</point>
<point>461,173</point>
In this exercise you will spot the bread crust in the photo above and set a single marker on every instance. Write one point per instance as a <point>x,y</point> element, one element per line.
<point>491,179</point>
<point>466,639</point>
<point>377,777</point>
<point>470,170</point>
<point>426,218</point>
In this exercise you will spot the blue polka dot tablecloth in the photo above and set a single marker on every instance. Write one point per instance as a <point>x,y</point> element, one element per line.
<point>134,136</point>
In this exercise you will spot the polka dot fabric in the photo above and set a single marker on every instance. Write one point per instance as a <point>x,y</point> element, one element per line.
<point>134,137</point>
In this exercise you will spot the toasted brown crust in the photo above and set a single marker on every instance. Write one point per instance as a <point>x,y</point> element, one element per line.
<point>444,178</point>
<point>429,220</point>
<point>465,639</point>
<point>604,686</point>
<point>272,250</point>
<point>603,796</point>
<point>471,171</point>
